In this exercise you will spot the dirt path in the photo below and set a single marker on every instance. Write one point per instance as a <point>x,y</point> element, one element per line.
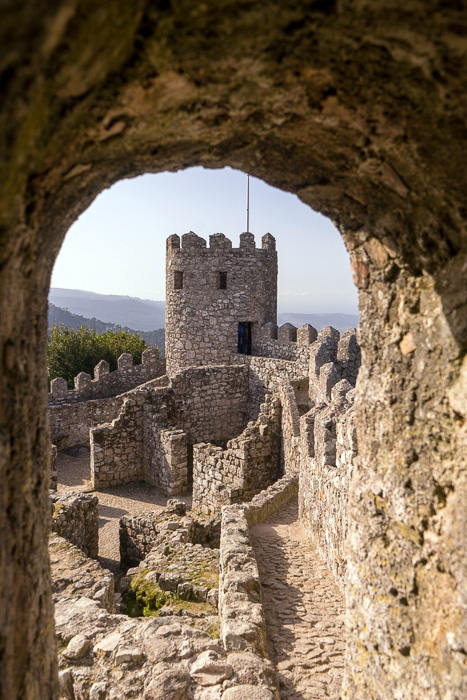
<point>73,472</point>
<point>304,609</point>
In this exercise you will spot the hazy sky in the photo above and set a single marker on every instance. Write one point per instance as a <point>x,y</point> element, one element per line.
<point>117,246</point>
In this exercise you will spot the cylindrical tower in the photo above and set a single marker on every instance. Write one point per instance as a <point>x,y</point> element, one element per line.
<point>216,297</point>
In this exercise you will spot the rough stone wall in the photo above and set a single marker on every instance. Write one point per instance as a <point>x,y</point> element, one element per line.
<point>290,428</point>
<point>202,318</point>
<point>328,450</point>
<point>236,474</point>
<point>70,423</point>
<point>107,383</point>
<point>130,447</point>
<point>77,577</point>
<point>75,516</point>
<point>165,454</point>
<point>265,374</point>
<point>53,468</point>
<point>210,403</point>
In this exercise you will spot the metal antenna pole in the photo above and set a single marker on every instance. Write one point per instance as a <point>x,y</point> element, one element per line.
<point>248,204</point>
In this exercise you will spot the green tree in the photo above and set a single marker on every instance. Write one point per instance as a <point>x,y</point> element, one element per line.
<point>71,351</point>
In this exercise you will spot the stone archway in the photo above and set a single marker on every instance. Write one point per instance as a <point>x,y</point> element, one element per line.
<point>358,108</point>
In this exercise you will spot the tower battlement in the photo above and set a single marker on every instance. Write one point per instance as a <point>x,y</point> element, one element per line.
<point>217,296</point>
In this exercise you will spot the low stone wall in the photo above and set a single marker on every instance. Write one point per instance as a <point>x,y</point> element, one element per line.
<point>210,403</point>
<point>243,626</point>
<point>328,451</point>
<point>139,534</point>
<point>70,423</point>
<point>271,499</point>
<point>76,576</point>
<point>75,516</point>
<point>106,383</point>
<point>250,462</point>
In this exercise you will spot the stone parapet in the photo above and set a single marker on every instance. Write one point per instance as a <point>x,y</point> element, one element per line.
<point>75,516</point>
<point>328,451</point>
<point>106,383</point>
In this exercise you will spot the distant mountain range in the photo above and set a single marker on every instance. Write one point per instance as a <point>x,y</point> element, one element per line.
<point>67,318</point>
<point>140,314</point>
<point>76,307</point>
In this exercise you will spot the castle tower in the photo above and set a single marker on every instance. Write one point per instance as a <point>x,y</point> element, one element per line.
<point>216,297</point>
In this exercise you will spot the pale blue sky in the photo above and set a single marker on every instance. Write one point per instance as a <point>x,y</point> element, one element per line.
<point>117,246</point>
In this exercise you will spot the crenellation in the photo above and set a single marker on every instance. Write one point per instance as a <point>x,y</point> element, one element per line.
<point>107,384</point>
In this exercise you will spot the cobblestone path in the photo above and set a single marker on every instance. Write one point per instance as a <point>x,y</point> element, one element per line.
<point>304,609</point>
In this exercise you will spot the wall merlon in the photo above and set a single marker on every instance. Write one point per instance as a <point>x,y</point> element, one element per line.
<point>306,334</point>
<point>173,242</point>
<point>268,242</point>
<point>218,241</point>
<point>125,361</point>
<point>247,240</point>
<point>102,369</point>
<point>287,333</point>
<point>59,387</point>
<point>192,240</point>
<point>83,383</point>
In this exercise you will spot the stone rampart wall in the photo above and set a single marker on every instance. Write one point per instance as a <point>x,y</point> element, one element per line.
<point>75,516</point>
<point>328,451</point>
<point>106,383</point>
<point>265,374</point>
<point>250,462</point>
<point>241,610</point>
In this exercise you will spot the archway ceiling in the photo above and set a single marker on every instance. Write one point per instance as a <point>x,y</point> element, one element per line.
<point>358,107</point>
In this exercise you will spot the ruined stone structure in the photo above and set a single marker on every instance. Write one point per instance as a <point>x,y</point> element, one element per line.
<point>217,297</point>
<point>358,108</point>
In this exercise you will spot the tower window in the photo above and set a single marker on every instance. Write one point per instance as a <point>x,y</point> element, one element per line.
<point>222,280</point>
<point>178,279</point>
